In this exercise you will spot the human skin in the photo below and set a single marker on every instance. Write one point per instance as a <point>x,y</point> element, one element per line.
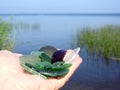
<point>13,77</point>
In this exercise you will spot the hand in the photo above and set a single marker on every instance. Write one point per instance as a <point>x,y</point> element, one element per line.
<point>13,77</point>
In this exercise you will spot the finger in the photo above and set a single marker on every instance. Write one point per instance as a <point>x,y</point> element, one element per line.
<point>18,54</point>
<point>6,53</point>
<point>75,64</point>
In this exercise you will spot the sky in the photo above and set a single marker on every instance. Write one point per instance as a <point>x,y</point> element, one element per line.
<point>59,6</point>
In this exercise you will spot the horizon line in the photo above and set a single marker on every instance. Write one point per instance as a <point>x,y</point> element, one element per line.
<point>67,14</point>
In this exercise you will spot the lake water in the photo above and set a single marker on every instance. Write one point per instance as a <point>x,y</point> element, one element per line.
<point>35,31</point>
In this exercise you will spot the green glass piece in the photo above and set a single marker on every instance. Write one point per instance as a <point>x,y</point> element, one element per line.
<point>29,59</point>
<point>49,50</point>
<point>44,57</point>
<point>66,65</point>
<point>48,72</point>
<point>36,53</point>
<point>39,63</point>
<point>43,65</point>
<point>51,73</point>
<point>60,66</point>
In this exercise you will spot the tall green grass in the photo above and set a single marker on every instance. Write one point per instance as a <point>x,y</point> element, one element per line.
<point>6,35</point>
<point>104,40</point>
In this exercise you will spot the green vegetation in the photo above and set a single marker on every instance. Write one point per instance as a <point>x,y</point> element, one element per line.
<point>6,35</point>
<point>23,25</point>
<point>105,40</point>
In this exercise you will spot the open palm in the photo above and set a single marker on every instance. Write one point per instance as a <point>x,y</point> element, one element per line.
<point>13,77</point>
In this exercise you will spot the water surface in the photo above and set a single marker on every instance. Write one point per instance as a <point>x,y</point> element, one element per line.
<point>95,73</point>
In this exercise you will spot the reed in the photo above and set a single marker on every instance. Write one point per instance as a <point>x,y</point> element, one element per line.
<point>6,35</point>
<point>104,40</point>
